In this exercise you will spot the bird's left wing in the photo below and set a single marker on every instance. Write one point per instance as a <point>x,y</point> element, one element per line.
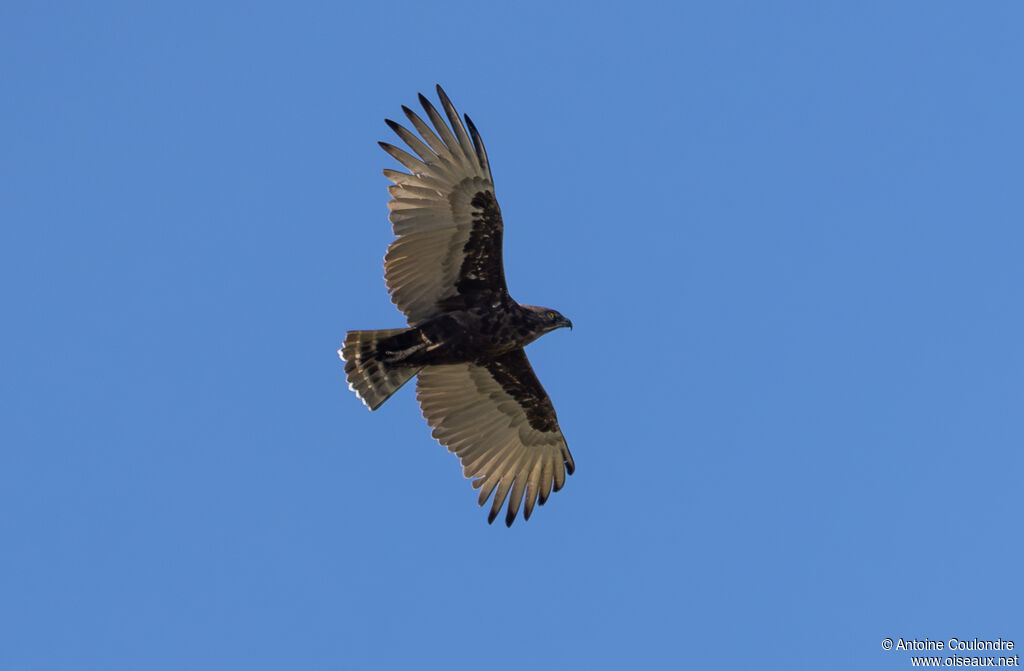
<point>500,422</point>
<point>447,253</point>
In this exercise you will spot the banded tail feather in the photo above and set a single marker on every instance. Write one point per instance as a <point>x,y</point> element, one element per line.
<point>369,374</point>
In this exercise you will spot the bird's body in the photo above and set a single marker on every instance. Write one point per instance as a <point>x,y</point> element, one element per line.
<point>466,334</point>
<point>476,335</point>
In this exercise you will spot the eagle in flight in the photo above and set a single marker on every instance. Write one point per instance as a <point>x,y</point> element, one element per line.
<point>466,334</point>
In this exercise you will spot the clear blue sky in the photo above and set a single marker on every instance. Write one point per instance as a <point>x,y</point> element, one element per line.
<point>790,236</point>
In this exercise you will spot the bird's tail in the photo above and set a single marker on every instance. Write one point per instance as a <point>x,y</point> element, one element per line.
<point>370,376</point>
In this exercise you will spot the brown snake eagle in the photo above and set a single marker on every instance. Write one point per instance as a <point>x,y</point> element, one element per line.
<point>466,334</point>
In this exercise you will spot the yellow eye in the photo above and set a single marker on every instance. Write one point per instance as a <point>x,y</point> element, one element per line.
<point>551,315</point>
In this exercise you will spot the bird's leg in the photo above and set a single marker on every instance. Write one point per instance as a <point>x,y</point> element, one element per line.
<point>399,355</point>
<point>431,345</point>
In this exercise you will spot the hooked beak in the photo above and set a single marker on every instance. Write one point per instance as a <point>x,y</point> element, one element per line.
<point>566,322</point>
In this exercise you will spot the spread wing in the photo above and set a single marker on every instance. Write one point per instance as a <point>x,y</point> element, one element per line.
<point>501,424</point>
<point>448,225</point>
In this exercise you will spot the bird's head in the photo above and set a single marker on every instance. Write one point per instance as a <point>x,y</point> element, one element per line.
<point>546,319</point>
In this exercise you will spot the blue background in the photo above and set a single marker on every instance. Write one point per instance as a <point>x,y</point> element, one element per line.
<point>789,235</point>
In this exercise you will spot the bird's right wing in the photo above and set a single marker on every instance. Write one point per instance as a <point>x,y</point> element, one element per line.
<point>447,221</point>
<point>500,422</point>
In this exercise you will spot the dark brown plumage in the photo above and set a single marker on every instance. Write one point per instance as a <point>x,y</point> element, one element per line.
<point>466,335</point>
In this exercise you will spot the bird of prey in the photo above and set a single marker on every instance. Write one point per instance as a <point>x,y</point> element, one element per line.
<point>466,334</point>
